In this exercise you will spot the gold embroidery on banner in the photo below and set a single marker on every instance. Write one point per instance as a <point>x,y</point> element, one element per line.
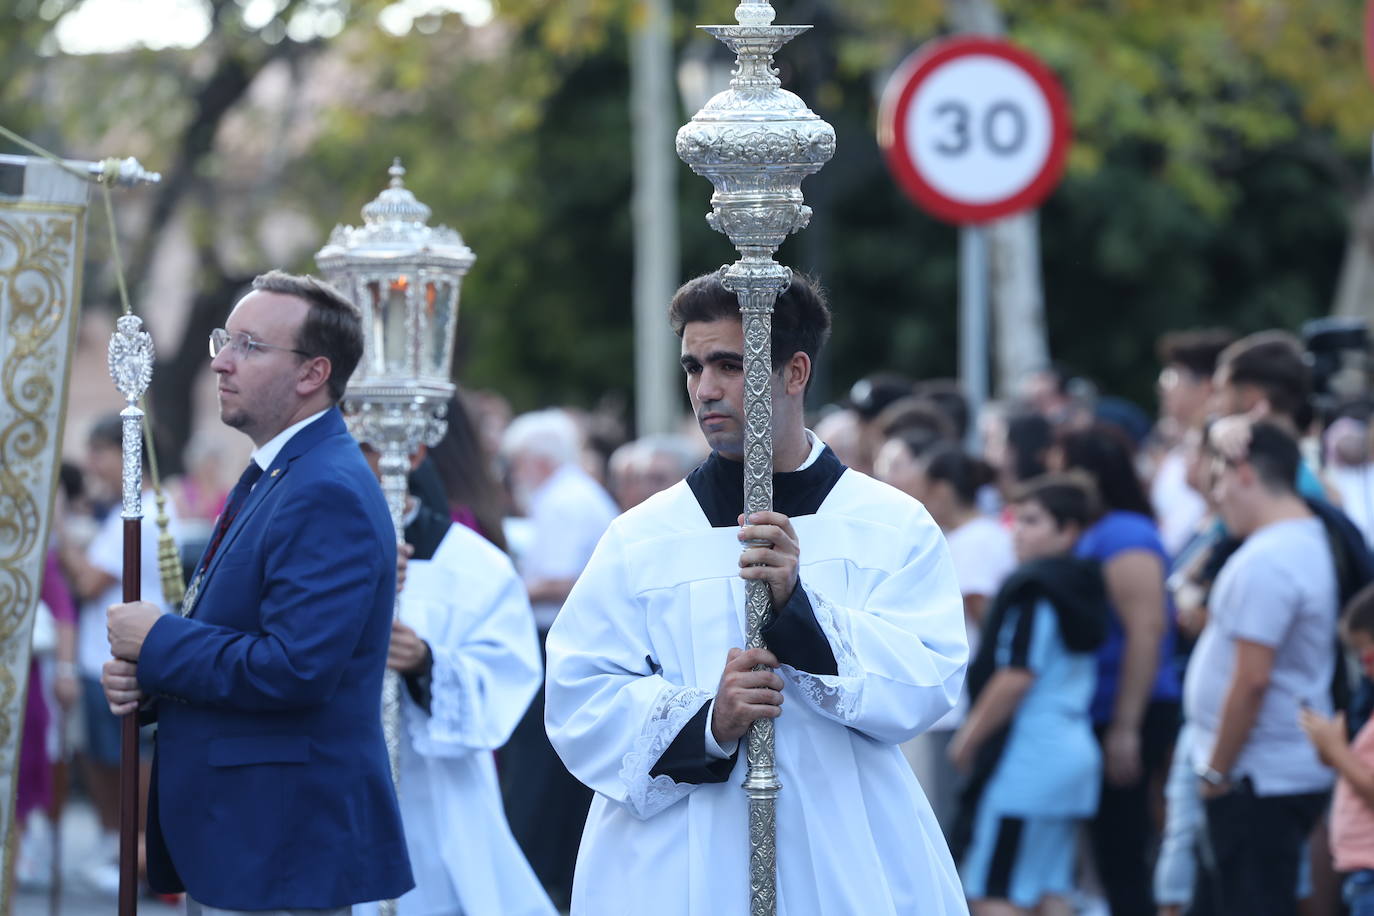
<point>40,279</point>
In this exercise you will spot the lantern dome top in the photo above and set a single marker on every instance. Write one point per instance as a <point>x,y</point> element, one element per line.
<point>397,203</point>
<point>395,226</point>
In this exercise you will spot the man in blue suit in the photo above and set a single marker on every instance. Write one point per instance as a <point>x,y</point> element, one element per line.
<point>271,789</point>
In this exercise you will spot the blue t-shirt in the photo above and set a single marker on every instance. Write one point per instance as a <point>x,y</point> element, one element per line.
<point>1115,533</point>
<point>1051,723</point>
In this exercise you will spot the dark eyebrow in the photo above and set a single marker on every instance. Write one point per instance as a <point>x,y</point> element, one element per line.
<point>716,356</point>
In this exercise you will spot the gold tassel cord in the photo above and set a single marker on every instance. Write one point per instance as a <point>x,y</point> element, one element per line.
<point>169,561</point>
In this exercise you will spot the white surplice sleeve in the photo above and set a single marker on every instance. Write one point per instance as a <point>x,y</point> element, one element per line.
<point>896,629</point>
<point>609,711</point>
<point>470,607</point>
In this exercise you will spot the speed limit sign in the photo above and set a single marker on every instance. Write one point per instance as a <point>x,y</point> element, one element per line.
<point>975,129</point>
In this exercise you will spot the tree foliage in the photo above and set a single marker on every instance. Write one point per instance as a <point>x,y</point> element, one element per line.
<point>1218,151</point>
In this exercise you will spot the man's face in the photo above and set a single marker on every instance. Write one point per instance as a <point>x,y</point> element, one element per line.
<point>1233,490</point>
<point>1041,391</point>
<point>713,358</point>
<point>1036,534</point>
<point>1183,395</point>
<point>896,465</point>
<point>258,389</point>
<point>660,471</point>
<point>1230,398</point>
<point>105,464</point>
<point>1198,464</point>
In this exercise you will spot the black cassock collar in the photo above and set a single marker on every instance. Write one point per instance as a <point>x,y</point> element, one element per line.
<point>718,485</point>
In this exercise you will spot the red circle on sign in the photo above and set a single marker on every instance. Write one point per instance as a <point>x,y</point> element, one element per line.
<point>898,99</point>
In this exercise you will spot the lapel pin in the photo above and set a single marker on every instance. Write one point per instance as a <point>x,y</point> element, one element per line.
<point>276,471</point>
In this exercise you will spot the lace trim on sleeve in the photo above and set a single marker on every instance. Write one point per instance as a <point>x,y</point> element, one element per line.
<point>841,695</point>
<point>449,726</point>
<point>671,710</point>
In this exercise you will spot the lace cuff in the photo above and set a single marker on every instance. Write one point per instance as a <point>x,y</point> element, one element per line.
<point>838,695</point>
<point>450,718</point>
<point>672,709</point>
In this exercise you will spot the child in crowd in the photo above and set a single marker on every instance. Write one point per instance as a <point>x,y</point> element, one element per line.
<point>1031,684</point>
<point>1352,809</point>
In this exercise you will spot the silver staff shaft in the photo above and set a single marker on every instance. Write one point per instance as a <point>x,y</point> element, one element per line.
<point>757,291</point>
<point>756,142</point>
<point>395,468</point>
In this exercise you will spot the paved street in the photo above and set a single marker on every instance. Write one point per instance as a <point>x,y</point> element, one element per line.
<point>79,837</point>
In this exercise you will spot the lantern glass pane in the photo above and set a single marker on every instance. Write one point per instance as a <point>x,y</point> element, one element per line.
<point>376,312</point>
<point>439,314</point>
<point>393,323</point>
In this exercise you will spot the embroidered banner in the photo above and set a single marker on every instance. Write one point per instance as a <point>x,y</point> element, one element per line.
<point>42,234</point>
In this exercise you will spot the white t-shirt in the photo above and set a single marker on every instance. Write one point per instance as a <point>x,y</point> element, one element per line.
<point>106,553</point>
<point>983,557</point>
<point>568,515</point>
<point>1278,590</point>
<point>1178,506</point>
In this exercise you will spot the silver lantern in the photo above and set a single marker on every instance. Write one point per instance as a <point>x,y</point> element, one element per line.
<point>756,142</point>
<point>405,276</point>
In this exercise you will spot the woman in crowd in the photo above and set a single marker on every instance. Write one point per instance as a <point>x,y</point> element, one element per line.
<point>1136,706</point>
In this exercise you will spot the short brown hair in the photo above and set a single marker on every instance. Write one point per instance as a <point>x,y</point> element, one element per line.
<point>1272,362</point>
<point>1195,350</point>
<point>333,327</point>
<point>915,413</point>
<point>801,317</point>
<point>1069,497</point>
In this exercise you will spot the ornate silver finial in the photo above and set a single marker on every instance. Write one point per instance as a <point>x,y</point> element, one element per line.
<point>755,13</point>
<point>131,358</point>
<point>131,367</point>
<point>756,141</point>
<point>396,204</point>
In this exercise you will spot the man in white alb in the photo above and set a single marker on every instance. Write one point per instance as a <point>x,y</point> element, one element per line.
<point>649,695</point>
<point>465,646</point>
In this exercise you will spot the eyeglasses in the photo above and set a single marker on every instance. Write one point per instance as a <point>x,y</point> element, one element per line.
<point>242,344</point>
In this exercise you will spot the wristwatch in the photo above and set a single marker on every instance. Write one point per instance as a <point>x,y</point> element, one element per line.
<point>1210,775</point>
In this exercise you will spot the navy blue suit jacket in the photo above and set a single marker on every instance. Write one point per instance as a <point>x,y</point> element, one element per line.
<point>271,788</point>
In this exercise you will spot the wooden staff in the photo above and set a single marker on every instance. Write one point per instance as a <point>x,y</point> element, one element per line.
<point>131,366</point>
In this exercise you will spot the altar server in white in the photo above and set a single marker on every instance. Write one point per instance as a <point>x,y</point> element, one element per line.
<point>466,646</point>
<point>649,694</point>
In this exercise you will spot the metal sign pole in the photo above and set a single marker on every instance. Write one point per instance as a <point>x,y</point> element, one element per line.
<point>973,325</point>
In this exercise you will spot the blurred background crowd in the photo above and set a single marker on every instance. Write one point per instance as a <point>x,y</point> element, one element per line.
<point>544,485</point>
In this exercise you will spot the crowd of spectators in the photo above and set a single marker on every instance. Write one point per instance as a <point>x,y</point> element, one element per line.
<point>1225,538</point>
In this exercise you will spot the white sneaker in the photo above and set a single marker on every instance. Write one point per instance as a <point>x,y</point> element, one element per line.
<point>102,877</point>
<point>33,858</point>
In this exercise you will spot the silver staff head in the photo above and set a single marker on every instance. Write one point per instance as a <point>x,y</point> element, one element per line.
<point>131,367</point>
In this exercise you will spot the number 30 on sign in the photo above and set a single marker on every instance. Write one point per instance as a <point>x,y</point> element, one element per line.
<point>975,129</point>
